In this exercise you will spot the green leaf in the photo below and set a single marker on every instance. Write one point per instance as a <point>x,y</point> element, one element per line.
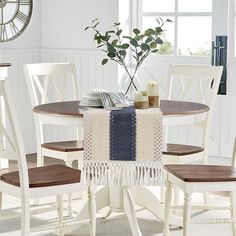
<point>104,61</point>
<point>159,41</point>
<point>153,45</point>
<point>140,53</point>
<point>86,28</point>
<point>114,42</point>
<point>100,45</point>
<point>169,20</point>
<point>111,54</point>
<point>134,42</point>
<point>125,46</point>
<point>149,32</point>
<point>111,49</point>
<point>145,47</point>
<point>138,37</point>
<point>154,51</point>
<point>96,25</point>
<point>158,29</point>
<point>122,53</point>
<point>148,40</point>
<point>136,31</point>
<point>94,20</point>
<point>118,33</point>
<point>111,31</point>
<point>157,20</point>
<point>117,24</point>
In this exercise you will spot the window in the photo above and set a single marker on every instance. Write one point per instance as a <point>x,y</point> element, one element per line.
<point>191,30</point>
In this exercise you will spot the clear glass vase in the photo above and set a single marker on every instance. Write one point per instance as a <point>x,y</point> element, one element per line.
<point>130,86</point>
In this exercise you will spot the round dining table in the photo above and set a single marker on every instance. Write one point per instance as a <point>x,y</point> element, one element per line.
<point>70,113</point>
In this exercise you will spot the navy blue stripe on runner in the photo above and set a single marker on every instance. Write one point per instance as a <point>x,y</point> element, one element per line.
<point>123,134</point>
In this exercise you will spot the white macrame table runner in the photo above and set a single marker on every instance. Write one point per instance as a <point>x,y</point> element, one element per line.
<point>146,170</point>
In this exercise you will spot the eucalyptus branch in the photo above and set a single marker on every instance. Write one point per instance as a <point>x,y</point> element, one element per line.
<point>117,47</point>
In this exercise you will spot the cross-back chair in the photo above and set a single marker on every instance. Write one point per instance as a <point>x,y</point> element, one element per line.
<point>54,82</point>
<point>48,82</point>
<point>201,178</point>
<point>35,182</point>
<point>193,83</point>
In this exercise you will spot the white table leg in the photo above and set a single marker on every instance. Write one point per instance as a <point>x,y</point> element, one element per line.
<point>130,212</point>
<point>149,201</point>
<point>168,199</point>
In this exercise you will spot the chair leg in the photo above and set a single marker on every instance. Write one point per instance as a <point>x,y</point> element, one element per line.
<point>0,200</point>
<point>25,217</point>
<point>69,196</point>
<point>60,215</point>
<point>206,199</point>
<point>176,196</point>
<point>233,210</point>
<point>92,212</point>
<point>168,198</point>
<point>187,213</point>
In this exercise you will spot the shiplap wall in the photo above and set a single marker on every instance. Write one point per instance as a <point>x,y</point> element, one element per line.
<point>90,72</point>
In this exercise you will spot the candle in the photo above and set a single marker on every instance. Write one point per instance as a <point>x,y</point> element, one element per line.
<point>152,88</point>
<point>141,96</point>
<point>153,94</point>
<point>141,100</point>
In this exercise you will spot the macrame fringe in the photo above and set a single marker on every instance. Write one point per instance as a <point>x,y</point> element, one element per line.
<point>122,173</point>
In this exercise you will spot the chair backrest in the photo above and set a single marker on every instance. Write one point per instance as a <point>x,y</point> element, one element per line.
<point>48,82</point>
<point>196,83</point>
<point>11,144</point>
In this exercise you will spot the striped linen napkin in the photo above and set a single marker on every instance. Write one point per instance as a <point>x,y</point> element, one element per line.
<point>113,100</point>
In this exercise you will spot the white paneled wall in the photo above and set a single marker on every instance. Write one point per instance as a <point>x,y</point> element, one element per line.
<point>90,72</point>
<point>17,86</point>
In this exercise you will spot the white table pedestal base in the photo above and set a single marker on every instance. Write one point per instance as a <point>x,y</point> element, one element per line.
<point>123,200</point>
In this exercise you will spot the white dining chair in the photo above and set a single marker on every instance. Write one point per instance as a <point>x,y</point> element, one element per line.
<point>192,83</point>
<point>201,178</point>
<point>54,82</point>
<point>25,183</point>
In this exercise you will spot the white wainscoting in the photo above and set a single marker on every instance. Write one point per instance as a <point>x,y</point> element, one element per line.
<point>90,72</point>
<point>19,93</point>
<point>93,75</point>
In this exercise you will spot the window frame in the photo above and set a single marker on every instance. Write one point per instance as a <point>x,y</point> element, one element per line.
<point>175,15</point>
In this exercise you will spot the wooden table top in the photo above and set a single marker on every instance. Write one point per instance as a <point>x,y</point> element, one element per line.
<point>72,108</point>
<point>5,64</point>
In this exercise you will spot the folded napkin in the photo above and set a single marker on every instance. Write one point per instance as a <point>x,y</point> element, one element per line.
<point>113,100</point>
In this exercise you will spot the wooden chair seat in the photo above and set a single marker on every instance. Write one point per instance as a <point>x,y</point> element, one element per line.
<point>64,146</point>
<point>45,176</point>
<point>202,173</point>
<point>181,149</point>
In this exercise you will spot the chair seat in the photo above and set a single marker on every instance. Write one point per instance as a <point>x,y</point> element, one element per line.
<point>45,176</point>
<point>181,149</point>
<point>64,146</point>
<point>202,173</point>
